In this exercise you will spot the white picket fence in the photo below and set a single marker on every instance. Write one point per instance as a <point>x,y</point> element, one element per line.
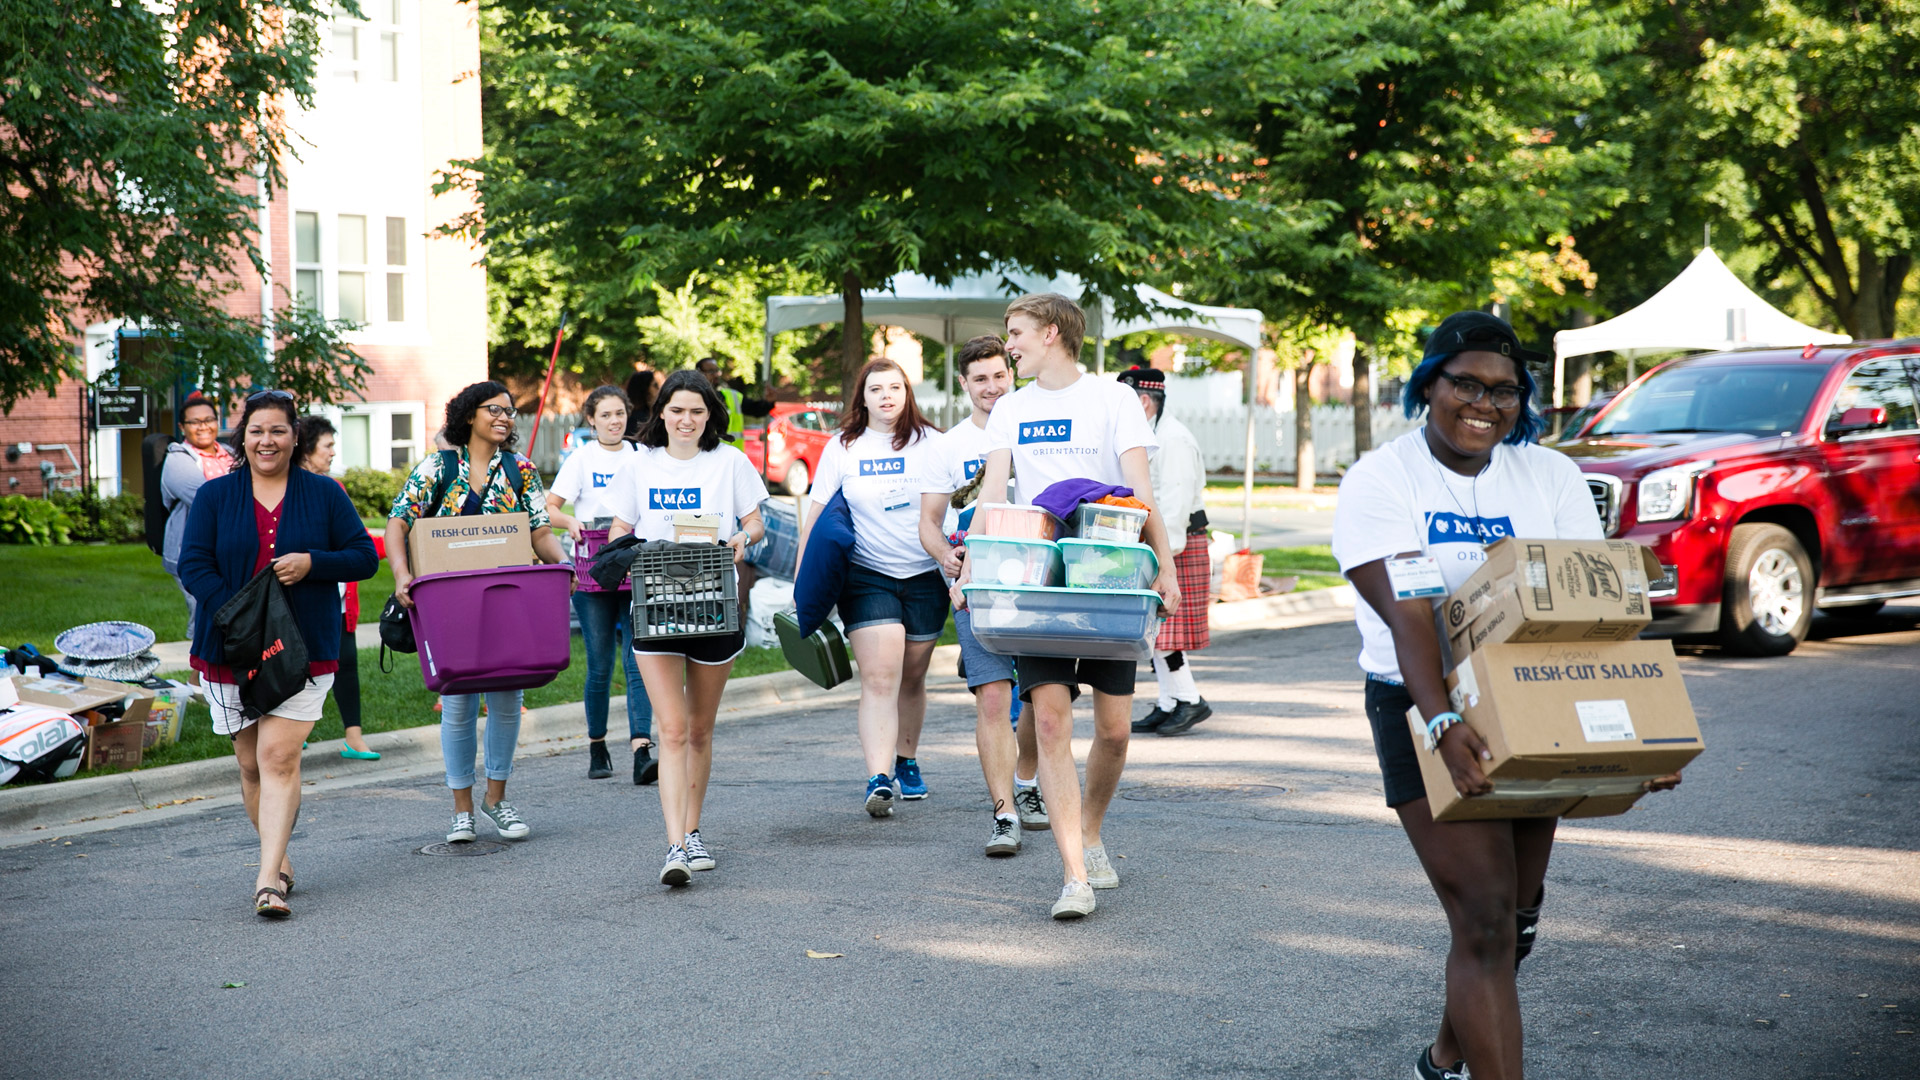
<point>1222,434</point>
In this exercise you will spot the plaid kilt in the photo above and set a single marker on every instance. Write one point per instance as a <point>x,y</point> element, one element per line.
<point>1187,629</point>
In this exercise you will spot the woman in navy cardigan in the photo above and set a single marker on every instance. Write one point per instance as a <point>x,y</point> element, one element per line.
<point>266,513</point>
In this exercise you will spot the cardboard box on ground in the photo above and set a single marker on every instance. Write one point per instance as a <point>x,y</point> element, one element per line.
<point>115,714</point>
<point>1576,714</point>
<point>481,542</point>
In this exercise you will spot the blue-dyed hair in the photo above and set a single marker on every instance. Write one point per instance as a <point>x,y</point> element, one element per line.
<point>1413,399</point>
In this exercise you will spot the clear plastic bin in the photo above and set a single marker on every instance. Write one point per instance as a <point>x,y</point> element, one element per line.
<point>1023,620</point>
<point>1098,521</point>
<point>1007,560</point>
<point>1015,519</point>
<point>1108,564</point>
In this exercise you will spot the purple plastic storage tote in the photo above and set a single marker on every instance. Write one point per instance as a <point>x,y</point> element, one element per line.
<point>503,629</point>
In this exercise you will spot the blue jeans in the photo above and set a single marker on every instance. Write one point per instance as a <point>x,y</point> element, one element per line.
<point>459,714</point>
<point>605,619</point>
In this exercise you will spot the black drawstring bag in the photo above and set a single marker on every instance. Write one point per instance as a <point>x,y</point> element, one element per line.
<point>263,645</point>
<point>396,631</point>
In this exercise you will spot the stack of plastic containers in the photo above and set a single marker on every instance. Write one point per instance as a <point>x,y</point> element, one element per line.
<point>1019,604</point>
<point>502,629</point>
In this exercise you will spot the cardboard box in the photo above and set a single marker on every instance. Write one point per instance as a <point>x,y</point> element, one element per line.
<point>115,746</point>
<point>482,542</point>
<point>74,698</point>
<point>163,719</point>
<point>1510,620</point>
<point>1556,590</point>
<point>1574,729</point>
<point>696,528</point>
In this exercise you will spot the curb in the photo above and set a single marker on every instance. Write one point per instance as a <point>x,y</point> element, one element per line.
<point>42,807</point>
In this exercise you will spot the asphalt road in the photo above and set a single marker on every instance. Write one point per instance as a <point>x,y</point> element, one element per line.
<point>1764,920</point>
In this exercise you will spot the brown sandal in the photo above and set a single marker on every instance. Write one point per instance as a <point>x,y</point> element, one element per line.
<point>267,910</point>
<point>286,884</point>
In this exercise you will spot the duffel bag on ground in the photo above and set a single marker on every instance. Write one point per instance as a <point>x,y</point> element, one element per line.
<point>39,743</point>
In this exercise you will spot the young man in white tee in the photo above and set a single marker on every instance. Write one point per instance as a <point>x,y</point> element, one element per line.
<point>1066,425</point>
<point>1009,759</point>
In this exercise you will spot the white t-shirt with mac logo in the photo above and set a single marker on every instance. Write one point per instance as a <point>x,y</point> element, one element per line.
<point>653,486</point>
<point>588,475</point>
<point>883,487</point>
<point>1075,433</point>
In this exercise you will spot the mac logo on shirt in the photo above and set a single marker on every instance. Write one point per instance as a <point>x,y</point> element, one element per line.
<point>1447,528</point>
<point>886,466</point>
<point>1045,431</point>
<point>973,467</point>
<point>602,479</point>
<point>687,498</point>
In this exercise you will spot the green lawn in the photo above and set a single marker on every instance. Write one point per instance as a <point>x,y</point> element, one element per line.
<point>1314,565</point>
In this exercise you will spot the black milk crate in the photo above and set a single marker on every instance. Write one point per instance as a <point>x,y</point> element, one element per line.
<point>686,590</point>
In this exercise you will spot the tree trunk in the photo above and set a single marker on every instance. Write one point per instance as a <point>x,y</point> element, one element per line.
<point>1302,426</point>
<point>1579,381</point>
<point>1362,400</point>
<point>853,334</point>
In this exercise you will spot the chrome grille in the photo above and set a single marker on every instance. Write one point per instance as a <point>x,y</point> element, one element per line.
<point>1605,490</point>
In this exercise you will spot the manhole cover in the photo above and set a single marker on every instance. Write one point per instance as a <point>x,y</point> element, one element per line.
<point>1201,792</point>
<point>473,847</point>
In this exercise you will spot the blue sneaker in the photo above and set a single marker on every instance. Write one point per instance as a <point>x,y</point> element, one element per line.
<point>906,776</point>
<point>880,795</point>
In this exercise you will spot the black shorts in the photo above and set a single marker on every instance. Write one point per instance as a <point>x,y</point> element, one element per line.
<point>709,649</point>
<point>1387,707</point>
<point>1114,677</point>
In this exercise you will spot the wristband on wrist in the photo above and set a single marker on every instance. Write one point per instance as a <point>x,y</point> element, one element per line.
<point>1438,726</point>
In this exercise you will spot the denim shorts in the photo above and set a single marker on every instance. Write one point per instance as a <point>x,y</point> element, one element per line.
<point>978,666</point>
<point>1387,705</point>
<point>870,598</point>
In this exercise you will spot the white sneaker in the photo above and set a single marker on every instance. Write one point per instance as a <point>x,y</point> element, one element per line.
<point>1006,837</point>
<point>462,831</point>
<point>1076,899</point>
<point>1100,871</point>
<point>506,820</point>
<point>698,857</point>
<point>676,871</point>
<point>1033,808</point>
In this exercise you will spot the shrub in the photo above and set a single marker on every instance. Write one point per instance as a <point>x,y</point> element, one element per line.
<point>118,520</point>
<point>373,490</point>
<point>32,521</point>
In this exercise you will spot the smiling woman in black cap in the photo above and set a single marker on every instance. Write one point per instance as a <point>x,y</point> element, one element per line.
<point>1470,476</point>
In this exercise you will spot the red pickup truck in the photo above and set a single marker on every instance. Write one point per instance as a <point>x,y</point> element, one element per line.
<point>1769,482</point>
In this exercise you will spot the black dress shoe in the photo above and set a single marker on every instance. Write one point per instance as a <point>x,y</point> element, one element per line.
<point>645,769</point>
<point>1185,715</point>
<point>599,762</point>
<point>1151,721</point>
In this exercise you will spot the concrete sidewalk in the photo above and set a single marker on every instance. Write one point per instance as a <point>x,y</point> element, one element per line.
<point>28,813</point>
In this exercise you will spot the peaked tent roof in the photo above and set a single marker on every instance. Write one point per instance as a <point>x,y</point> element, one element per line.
<point>1706,307</point>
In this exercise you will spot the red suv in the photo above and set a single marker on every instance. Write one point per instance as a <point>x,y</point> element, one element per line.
<point>1769,482</point>
<point>787,450</point>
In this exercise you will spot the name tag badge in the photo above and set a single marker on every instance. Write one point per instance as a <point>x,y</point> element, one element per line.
<point>1416,577</point>
<point>897,499</point>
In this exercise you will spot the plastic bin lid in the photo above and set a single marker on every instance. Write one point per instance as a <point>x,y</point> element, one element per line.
<point>987,586</point>
<point>1077,542</point>
<point>987,538</point>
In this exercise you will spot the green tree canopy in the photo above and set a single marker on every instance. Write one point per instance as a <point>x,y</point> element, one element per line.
<point>639,142</point>
<point>130,139</point>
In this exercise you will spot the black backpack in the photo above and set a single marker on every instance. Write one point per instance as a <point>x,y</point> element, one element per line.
<point>450,468</point>
<point>263,645</point>
<point>153,461</point>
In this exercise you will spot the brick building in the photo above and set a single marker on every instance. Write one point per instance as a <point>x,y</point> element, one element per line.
<point>397,97</point>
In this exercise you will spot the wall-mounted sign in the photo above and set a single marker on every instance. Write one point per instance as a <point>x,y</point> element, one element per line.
<point>119,407</point>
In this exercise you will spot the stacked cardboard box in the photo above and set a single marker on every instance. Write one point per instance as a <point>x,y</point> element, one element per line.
<point>115,714</point>
<point>1577,714</point>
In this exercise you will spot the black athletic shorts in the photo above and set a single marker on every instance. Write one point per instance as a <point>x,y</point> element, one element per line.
<point>1387,707</point>
<point>1114,677</point>
<point>711,650</point>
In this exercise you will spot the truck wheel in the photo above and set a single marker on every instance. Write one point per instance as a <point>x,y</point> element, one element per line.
<point>1767,603</point>
<point>797,479</point>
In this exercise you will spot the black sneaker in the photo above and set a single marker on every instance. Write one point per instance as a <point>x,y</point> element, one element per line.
<point>1185,715</point>
<point>599,762</point>
<point>1528,929</point>
<point>1151,721</point>
<point>645,769</point>
<point>1425,1069</point>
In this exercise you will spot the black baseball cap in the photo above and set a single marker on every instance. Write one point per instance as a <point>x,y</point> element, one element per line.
<point>1465,331</point>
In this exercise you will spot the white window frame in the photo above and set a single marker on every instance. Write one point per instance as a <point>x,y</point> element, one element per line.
<point>373,62</point>
<point>380,440</point>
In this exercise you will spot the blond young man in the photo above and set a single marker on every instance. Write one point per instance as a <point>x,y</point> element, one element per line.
<point>1068,425</point>
<point>1008,758</point>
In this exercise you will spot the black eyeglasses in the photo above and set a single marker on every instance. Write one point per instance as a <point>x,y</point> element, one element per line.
<point>1467,391</point>
<point>498,412</point>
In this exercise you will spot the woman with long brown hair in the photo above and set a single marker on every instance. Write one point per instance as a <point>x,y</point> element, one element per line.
<point>894,603</point>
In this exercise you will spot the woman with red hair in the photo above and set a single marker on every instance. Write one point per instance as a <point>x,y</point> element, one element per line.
<point>894,602</point>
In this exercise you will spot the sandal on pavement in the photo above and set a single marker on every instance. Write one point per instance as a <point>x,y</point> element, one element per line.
<point>268,910</point>
<point>286,887</point>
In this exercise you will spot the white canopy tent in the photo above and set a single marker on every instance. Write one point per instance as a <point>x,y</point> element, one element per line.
<point>976,304</point>
<point>1706,307</point>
